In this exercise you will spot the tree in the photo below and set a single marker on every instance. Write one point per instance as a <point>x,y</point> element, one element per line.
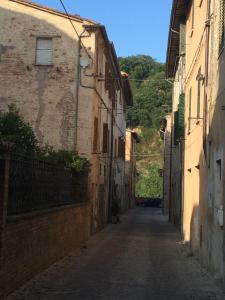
<point>149,95</point>
<point>13,128</point>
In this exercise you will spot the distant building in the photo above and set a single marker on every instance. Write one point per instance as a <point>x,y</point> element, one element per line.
<point>131,174</point>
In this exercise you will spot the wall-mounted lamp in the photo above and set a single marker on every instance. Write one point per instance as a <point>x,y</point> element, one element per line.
<point>200,77</point>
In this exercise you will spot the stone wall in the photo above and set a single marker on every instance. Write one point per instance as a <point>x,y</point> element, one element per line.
<point>35,241</point>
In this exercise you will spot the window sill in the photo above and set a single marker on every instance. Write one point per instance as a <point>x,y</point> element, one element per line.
<point>44,66</point>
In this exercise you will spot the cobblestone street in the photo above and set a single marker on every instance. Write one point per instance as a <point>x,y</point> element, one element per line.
<point>140,258</point>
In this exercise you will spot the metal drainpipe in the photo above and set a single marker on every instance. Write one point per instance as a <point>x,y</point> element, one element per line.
<point>206,69</point>
<point>77,78</point>
<point>77,93</point>
<point>110,170</point>
<point>171,164</point>
<point>164,142</point>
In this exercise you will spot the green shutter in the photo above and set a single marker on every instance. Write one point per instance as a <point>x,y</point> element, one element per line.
<point>182,48</point>
<point>176,129</point>
<point>179,120</point>
<point>181,116</point>
<point>189,115</point>
<point>221,25</point>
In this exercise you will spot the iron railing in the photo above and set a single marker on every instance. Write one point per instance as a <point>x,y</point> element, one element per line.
<point>36,185</point>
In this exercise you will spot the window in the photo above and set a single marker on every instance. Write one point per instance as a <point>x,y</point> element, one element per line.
<point>189,115</point>
<point>199,93</point>
<point>182,47</point>
<point>115,148</point>
<point>179,120</point>
<point>44,52</point>
<point>193,15</point>
<point>95,138</point>
<point>221,25</point>
<point>219,168</point>
<point>121,148</point>
<point>107,76</point>
<point>105,143</point>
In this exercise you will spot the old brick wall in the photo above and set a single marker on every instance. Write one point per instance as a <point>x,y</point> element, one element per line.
<point>45,95</point>
<point>34,242</point>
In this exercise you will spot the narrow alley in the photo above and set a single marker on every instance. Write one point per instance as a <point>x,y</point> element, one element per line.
<point>140,258</point>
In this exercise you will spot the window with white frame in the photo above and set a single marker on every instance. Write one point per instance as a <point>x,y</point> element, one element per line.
<point>44,51</point>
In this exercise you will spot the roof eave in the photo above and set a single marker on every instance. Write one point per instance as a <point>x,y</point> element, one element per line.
<point>47,9</point>
<point>179,13</point>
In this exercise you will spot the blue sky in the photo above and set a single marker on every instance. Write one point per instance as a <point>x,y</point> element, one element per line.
<point>135,27</point>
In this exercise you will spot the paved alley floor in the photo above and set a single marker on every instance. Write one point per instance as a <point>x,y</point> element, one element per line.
<point>140,258</point>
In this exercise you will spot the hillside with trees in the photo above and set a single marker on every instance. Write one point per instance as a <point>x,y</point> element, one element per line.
<point>152,100</point>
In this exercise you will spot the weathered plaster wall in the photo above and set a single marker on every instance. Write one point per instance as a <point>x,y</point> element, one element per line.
<point>195,59</point>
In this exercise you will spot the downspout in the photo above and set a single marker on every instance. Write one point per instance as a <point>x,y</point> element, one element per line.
<point>110,170</point>
<point>77,90</point>
<point>164,143</point>
<point>171,165</point>
<point>207,24</point>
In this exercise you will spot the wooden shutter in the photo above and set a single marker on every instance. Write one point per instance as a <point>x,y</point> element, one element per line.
<point>113,93</point>
<point>182,48</point>
<point>189,116</point>
<point>44,51</point>
<point>119,147</point>
<point>115,149</point>
<point>110,87</point>
<point>176,128</point>
<point>123,149</point>
<point>95,138</point>
<point>105,138</point>
<point>181,116</point>
<point>107,77</point>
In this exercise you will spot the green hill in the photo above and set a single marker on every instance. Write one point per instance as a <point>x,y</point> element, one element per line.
<point>152,100</point>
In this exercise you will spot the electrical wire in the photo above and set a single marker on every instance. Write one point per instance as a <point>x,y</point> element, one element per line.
<point>115,123</point>
<point>132,79</point>
<point>68,16</point>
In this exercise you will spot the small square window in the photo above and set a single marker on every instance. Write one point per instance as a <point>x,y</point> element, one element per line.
<point>44,51</point>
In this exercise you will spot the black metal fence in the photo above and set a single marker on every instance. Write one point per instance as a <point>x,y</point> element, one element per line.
<point>35,185</point>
